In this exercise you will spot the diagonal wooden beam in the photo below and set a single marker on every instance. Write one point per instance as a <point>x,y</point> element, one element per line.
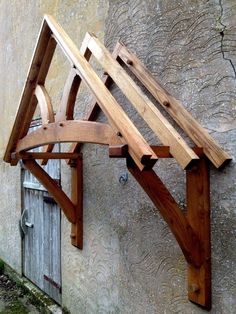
<point>170,211</point>
<point>66,109</point>
<point>138,147</point>
<point>94,107</point>
<point>148,111</point>
<point>60,197</point>
<point>37,73</point>
<point>41,155</point>
<point>184,119</point>
<point>67,104</point>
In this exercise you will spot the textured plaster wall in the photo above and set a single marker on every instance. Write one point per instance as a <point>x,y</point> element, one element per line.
<point>130,262</point>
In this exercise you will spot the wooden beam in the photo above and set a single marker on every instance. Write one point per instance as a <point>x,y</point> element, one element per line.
<point>47,114</point>
<point>138,147</point>
<point>94,107</point>
<point>118,151</point>
<point>69,131</point>
<point>77,199</point>
<point>164,151</point>
<point>41,155</point>
<point>37,73</point>
<point>45,104</point>
<point>66,109</point>
<point>52,187</point>
<point>170,211</point>
<point>198,215</point>
<point>184,119</point>
<point>157,122</point>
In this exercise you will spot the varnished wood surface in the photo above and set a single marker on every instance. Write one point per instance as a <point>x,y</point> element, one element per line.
<point>165,203</point>
<point>157,122</point>
<point>138,147</point>
<point>185,120</point>
<point>45,104</point>
<point>77,200</point>
<point>69,131</point>
<point>198,214</point>
<point>37,73</point>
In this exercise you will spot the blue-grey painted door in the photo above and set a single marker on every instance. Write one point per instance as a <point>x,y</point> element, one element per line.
<point>41,222</point>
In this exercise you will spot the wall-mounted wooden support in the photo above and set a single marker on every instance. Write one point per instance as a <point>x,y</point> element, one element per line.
<point>77,200</point>
<point>192,231</point>
<point>198,215</point>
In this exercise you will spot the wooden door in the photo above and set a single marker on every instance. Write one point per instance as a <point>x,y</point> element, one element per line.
<point>41,230</point>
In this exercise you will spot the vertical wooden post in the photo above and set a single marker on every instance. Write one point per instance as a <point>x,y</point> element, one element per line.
<point>77,200</point>
<point>198,205</point>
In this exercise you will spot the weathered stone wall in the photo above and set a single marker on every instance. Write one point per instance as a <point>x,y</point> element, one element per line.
<point>130,262</point>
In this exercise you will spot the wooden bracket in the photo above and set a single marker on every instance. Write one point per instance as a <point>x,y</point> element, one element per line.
<point>60,197</point>
<point>192,231</point>
<point>77,200</point>
<point>73,209</point>
<point>198,215</point>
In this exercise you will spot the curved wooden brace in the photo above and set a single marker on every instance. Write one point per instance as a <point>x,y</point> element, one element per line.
<point>70,91</point>
<point>46,110</point>
<point>66,110</point>
<point>45,104</point>
<point>69,131</point>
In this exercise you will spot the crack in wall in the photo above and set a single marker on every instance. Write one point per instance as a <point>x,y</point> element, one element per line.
<point>222,34</point>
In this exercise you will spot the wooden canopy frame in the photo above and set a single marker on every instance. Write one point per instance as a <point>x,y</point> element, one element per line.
<point>192,231</point>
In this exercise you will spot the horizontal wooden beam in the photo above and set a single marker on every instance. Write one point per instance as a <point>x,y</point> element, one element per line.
<point>47,155</point>
<point>138,147</point>
<point>120,151</point>
<point>148,111</point>
<point>117,151</point>
<point>52,187</point>
<point>184,119</point>
<point>69,131</point>
<point>170,211</point>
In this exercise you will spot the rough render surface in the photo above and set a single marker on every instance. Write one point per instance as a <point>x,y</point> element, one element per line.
<point>130,262</point>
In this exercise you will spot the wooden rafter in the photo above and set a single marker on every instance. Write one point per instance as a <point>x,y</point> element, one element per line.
<point>157,122</point>
<point>184,119</point>
<point>192,231</point>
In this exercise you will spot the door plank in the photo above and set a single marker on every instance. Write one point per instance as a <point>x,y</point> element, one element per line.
<point>60,197</point>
